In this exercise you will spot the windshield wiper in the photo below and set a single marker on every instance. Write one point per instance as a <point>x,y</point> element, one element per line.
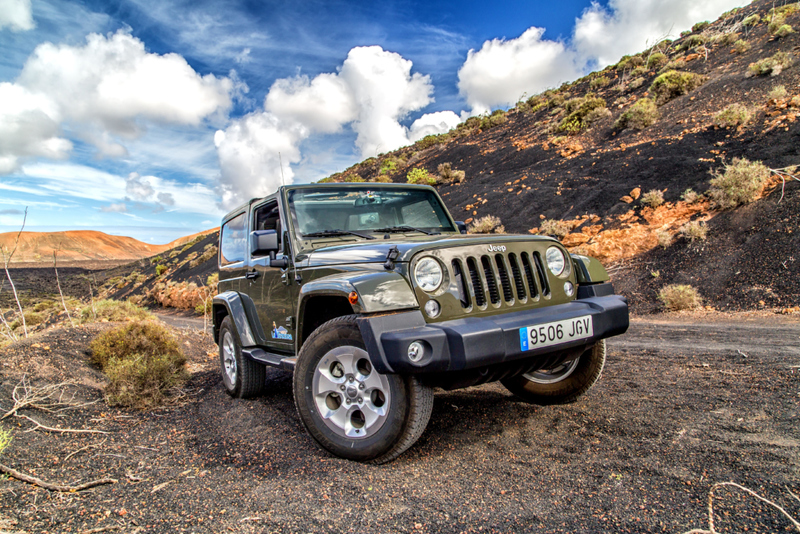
<point>329,233</point>
<point>404,228</point>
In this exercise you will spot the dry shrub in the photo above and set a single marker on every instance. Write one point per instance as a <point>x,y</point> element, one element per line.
<point>599,82</point>
<point>695,231</point>
<point>487,225</point>
<point>32,318</point>
<point>727,39</point>
<point>676,297</point>
<point>449,175</point>
<point>653,198</point>
<point>183,295</point>
<point>209,253</point>
<point>732,116</point>
<point>142,360</point>
<point>773,65</point>
<point>44,306</point>
<point>752,20</point>
<point>690,196</point>
<point>673,84</point>
<point>639,116</point>
<point>783,31</point>
<point>577,110</point>
<point>778,92</point>
<point>555,227</point>
<point>382,179</point>
<point>664,238</point>
<point>635,84</point>
<point>739,183</point>
<point>597,115</point>
<point>113,310</point>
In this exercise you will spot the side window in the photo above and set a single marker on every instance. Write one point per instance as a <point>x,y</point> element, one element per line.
<point>233,240</point>
<point>268,217</point>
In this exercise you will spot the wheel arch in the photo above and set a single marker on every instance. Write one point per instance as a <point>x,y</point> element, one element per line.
<point>231,303</point>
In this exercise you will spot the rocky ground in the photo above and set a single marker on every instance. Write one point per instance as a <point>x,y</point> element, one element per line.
<point>684,402</point>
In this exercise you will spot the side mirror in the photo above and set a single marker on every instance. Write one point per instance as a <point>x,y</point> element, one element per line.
<point>462,226</point>
<point>264,243</point>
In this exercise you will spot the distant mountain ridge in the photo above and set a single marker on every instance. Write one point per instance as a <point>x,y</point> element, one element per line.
<point>83,245</point>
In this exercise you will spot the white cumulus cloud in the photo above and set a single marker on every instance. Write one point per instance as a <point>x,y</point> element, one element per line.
<point>16,15</point>
<point>109,88</point>
<point>502,71</point>
<point>604,34</point>
<point>432,124</point>
<point>137,188</point>
<point>372,92</point>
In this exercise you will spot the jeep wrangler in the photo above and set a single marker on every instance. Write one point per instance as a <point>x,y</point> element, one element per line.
<point>372,295</point>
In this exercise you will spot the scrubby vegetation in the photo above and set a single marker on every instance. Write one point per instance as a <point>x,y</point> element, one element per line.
<point>555,227</point>
<point>695,231</point>
<point>773,65</point>
<point>673,84</point>
<point>487,225</point>
<point>143,362</point>
<point>112,310</point>
<point>732,116</point>
<point>653,198</point>
<point>739,183</point>
<point>741,46</point>
<point>639,116</point>
<point>448,175</point>
<point>577,110</point>
<point>677,297</point>
<point>421,176</point>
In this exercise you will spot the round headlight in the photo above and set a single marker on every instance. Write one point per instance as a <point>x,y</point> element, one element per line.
<point>428,274</point>
<point>556,261</point>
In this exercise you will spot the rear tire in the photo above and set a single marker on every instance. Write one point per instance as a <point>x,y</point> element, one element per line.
<point>350,409</point>
<point>562,384</point>
<point>242,378</point>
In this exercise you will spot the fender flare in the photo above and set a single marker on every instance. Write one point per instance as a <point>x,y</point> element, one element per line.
<point>589,270</point>
<point>377,291</point>
<point>243,313</point>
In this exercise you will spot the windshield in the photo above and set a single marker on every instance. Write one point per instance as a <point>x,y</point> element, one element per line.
<point>365,209</point>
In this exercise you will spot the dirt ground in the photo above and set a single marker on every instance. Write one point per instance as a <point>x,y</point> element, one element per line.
<point>685,401</point>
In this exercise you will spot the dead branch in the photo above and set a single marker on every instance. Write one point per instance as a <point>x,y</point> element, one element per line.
<point>6,261</point>
<point>783,173</point>
<point>51,398</point>
<point>100,529</point>
<point>63,303</point>
<point>59,429</point>
<point>712,530</point>
<point>54,487</point>
<point>86,448</point>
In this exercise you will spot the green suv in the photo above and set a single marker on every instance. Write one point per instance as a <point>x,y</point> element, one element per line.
<point>372,295</point>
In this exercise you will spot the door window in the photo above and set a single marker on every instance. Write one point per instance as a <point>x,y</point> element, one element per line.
<point>233,241</point>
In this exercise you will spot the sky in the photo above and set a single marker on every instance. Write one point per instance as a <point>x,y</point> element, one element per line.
<point>153,118</point>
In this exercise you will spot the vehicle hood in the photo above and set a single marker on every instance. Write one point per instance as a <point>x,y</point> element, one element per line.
<point>377,251</point>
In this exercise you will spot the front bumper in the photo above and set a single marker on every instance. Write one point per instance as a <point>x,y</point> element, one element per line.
<point>476,342</point>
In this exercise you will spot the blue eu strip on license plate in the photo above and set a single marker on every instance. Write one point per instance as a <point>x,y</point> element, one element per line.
<point>547,334</point>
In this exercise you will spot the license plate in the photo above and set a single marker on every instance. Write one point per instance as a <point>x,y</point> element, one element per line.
<point>544,335</point>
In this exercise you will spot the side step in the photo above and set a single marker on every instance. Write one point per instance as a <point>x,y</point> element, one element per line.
<point>269,358</point>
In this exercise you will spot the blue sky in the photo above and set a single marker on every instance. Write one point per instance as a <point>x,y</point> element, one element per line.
<point>151,119</point>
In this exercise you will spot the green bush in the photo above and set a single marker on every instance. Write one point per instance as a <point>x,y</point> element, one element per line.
<point>639,116</point>
<point>653,198</point>
<point>657,60</point>
<point>629,62</point>
<point>732,116</point>
<point>577,109</point>
<point>596,115</point>
<point>776,22</point>
<point>673,84</point>
<point>741,46</point>
<point>690,196</point>
<point>497,118</point>
<point>142,360</point>
<point>113,310</point>
<point>202,309</point>
<point>157,260</point>
<point>692,41</point>
<point>420,176</point>
<point>388,166</point>
<point>353,178</point>
<point>739,183</point>
<point>700,26</point>
<point>32,318</point>
<point>44,305</point>
<point>752,20</point>
<point>783,31</point>
<point>678,297</point>
<point>487,225</point>
<point>431,140</point>
<point>727,39</point>
<point>5,439</point>
<point>771,65</point>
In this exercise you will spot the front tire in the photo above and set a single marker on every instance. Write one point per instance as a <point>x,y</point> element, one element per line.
<point>349,408</point>
<point>242,378</point>
<point>562,384</point>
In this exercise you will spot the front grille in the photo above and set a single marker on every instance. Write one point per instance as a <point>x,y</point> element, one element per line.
<point>512,278</point>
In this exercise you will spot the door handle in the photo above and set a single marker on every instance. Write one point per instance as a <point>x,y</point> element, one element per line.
<point>251,275</point>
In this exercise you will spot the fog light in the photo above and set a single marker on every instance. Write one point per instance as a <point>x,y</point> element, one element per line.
<point>432,308</point>
<point>415,351</point>
<point>569,289</point>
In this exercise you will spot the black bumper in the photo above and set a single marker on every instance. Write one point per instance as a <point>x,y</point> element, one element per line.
<point>475,342</point>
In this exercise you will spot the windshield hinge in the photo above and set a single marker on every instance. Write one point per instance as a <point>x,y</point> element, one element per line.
<point>391,257</point>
